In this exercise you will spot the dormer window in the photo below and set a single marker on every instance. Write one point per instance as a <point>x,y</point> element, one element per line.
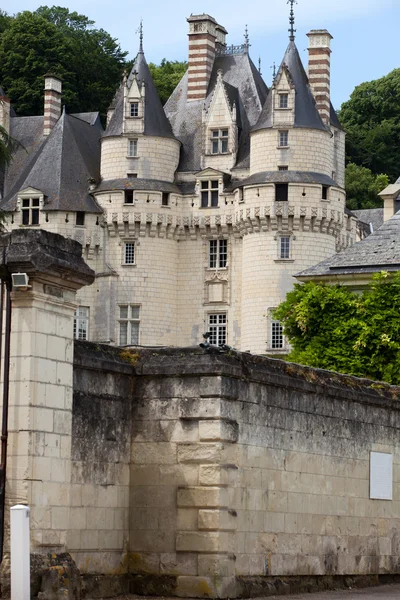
<point>219,141</point>
<point>283,100</point>
<point>134,109</point>
<point>30,211</point>
<point>209,193</point>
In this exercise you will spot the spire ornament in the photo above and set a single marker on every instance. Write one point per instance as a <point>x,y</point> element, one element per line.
<point>259,65</point>
<point>246,39</point>
<point>291,30</point>
<point>273,67</point>
<point>140,32</point>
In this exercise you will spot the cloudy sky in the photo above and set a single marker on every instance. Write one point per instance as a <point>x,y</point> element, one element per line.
<point>365,31</point>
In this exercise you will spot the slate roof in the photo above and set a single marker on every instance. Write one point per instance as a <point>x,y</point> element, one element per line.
<point>306,112</point>
<point>135,183</point>
<point>155,120</point>
<point>283,177</point>
<point>58,165</point>
<point>370,216</point>
<point>245,86</point>
<point>379,251</point>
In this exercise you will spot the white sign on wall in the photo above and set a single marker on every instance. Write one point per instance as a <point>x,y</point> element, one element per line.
<point>381,476</point>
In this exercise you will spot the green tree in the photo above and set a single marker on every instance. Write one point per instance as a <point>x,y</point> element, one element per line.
<point>6,148</point>
<point>54,40</point>
<point>372,119</point>
<point>363,187</point>
<point>5,20</point>
<point>166,76</point>
<point>332,328</point>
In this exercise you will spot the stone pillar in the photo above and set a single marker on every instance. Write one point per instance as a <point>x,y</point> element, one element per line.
<point>40,407</point>
<point>204,36</point>
<point>52,102</point>
<point>319,70</point>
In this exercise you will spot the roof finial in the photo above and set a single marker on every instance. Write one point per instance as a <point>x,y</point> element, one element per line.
<point>291,30</point>
<point>273,66</point>
<point>259,65</point>
<point>140,32</point>
<point>246,38</point>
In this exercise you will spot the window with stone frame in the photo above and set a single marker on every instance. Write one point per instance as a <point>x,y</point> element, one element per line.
<point>209,193</point>
<point>219,141</point>
<point>134,109</point>
<point>284,247</point>
<point>128,324</point>
<point>283,139</point>
<point>283,100</point>
<point>132,148</point>
<point>217,327</point>
<point>277,340</point>
<point>281,192</point>
<point>81,323</point>
<point>129,253</point>
<point>218,254</point>
<point>30,211</point>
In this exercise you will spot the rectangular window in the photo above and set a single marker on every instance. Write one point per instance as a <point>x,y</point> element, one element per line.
<point>30,211</point>
<point>129,198</point>
<point>134,109</point>
<point>219,141</point>
<point>80,218</point>
<point>209,193</point>
<point>129,253</point>
<point>324,192</point>
<point>81,323</point>
<point>283,168</point>
<point>217,328</point>
<point>218,254</point>
<point>283,100</point>
<point>276,335</point>
<point>132,175</point>
<point>281,192</point>
<point>165,199</point>
<point>284,247</point>
<point>132,147</point>
<point>128,324</point>
<point>283,139</point>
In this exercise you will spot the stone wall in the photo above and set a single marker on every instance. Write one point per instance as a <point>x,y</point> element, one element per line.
<point>245,470</point>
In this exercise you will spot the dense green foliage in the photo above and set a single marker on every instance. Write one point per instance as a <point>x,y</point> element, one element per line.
<point>363,187</point>
<point>371,118</point>
<point>5,148</point>
<point>54,40</point>
<point>333,328</point>
<point>166,76</point>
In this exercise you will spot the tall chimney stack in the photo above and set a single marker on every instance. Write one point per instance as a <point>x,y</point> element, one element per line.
<point>319,70</point>
<point>205,38</point>
<point>52,102</point>
<point>5,111</point>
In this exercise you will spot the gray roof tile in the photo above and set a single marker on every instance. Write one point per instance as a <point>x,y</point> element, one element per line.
<point>155,120</point>
<point>131,183</point>
<point>283,177</point>
<point>59,165</point>
<point>379,251</point>
<point>306,113</point>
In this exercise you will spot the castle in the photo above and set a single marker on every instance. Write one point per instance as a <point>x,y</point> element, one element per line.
<point>195,216</point>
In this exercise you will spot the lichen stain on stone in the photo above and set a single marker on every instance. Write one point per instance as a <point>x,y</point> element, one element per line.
<point>129,356</point>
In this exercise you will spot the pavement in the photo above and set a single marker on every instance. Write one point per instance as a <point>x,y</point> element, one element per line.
<point>382,592</point>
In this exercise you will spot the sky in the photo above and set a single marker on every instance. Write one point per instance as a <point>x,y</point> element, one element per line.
<point>365,31</point>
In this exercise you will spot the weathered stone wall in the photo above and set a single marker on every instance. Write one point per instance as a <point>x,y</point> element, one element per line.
<point>245,470</point>
<point>100,457</point>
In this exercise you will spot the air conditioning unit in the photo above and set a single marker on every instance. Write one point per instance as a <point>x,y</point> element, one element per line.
<point>20,281</point>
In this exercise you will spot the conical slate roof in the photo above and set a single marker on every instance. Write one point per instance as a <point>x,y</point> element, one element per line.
<point>306,112</point>
<point>62,167</point>
<point>155,120</point>
<point>379,251</point>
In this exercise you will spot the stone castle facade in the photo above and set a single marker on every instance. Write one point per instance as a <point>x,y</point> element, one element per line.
<point>195,216</point>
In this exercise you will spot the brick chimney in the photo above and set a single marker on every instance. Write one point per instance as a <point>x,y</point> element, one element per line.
<point>205,37</point>
<point>319,70</point>
<point>52,102</point>
<point>5,111</point>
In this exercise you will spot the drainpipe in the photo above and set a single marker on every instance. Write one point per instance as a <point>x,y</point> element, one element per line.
<point>5,285</point>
